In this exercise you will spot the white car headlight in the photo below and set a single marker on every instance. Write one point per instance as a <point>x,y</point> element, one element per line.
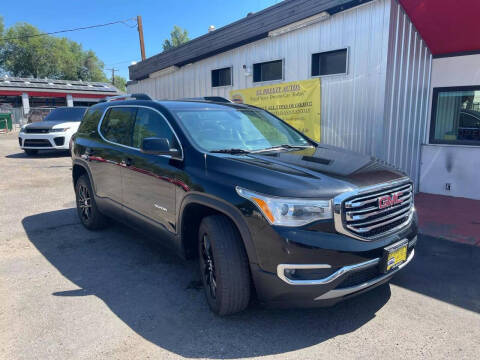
<point>59,129</point>
<point>288,211</point>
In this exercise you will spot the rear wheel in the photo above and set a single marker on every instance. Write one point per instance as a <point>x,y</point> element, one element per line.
<point>87,208</point>
<point>30,152</point>
<point>223,265</point>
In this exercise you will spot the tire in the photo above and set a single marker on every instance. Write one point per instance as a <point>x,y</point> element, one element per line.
<point>87,209</point>
<point>224,267</point>
<point>30,152</point>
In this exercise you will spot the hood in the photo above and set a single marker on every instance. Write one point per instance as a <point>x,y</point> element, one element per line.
<point>51,124</point>
<point>324,172</point>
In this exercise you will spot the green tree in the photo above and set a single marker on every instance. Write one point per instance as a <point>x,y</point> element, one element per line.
<point>24,53</point>
<point>1,43</point>
<point>1,30</point>
<point>178,36</point>
<point>120,83</point>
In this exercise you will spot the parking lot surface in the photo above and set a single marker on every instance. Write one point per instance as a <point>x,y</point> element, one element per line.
<point>67,293</point>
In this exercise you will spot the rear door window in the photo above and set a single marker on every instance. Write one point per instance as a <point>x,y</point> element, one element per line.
<point>117,126</point>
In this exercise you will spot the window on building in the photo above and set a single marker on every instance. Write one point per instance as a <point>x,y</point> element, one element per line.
<point>268,71</point>
<point>222,77</point>
<point>456,116</point>
<point>118,124</point>
<point>329,63</point>
<point>149,123</point>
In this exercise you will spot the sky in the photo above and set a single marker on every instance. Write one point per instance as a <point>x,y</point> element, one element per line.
<point>118,45</point>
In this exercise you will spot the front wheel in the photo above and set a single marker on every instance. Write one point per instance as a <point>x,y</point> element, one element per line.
<point>87,208</point>
<point>223,265</point>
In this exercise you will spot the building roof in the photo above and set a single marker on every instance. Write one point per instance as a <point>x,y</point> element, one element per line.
<point>41,85</point>
<point>253,27</point>
<point>447,26</point>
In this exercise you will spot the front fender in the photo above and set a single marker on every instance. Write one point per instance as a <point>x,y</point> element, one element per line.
<point>225,208</point>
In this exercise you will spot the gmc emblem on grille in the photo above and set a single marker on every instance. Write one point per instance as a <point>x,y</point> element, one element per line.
<point>388,201</point>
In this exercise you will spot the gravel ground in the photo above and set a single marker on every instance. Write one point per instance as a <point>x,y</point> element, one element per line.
<point>69,293</point>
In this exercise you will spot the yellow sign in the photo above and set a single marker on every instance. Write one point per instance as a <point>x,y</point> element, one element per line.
<point>297,102</point>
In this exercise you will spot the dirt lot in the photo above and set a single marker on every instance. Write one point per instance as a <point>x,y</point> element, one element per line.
<point>69,293</point>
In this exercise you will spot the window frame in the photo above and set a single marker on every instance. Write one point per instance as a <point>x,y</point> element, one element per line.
<point>222,68</point>
<point>347,59</point>
<point>268,81</point>
<point>131,147</point>
<point>433,115</point>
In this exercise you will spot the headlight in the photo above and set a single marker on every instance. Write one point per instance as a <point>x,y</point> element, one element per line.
<point>59,129</point>
<point>288,211</point>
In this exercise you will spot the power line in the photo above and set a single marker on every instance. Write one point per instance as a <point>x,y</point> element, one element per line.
<point>124,22</point>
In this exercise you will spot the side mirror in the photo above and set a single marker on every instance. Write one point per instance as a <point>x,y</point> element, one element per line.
<point>158,146</point>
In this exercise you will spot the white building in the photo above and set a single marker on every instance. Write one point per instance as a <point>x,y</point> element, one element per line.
<point>376,78</point>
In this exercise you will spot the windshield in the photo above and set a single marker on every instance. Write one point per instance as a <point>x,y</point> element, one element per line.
<point>249,130</point>
<point>66,114</point>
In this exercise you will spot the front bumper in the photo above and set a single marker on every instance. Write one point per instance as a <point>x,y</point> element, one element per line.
<point>344,283</point>
<point>344,291</point>
<point>329,267</point>
<point>57,140</point>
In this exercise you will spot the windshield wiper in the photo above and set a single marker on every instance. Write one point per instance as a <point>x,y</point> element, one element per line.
<point>231,151</point>
<point>283,146</point>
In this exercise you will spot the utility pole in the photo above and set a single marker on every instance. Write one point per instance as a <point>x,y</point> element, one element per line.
<point>113,75</point>
<point>140,35</point>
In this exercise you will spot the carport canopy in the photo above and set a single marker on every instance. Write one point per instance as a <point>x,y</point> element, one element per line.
<point>447,26</point>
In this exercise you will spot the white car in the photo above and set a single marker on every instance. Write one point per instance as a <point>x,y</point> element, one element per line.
<point>54,132</point>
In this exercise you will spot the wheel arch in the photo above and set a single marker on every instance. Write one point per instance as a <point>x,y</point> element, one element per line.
<point>209,205</point>
<point>79,169</point>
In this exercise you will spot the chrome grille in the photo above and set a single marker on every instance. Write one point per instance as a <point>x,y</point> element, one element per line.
<point>376,212</point>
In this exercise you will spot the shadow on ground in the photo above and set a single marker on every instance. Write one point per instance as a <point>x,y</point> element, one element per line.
<point>157,295</point>
<point>40,154</point>
<point>444,270</point>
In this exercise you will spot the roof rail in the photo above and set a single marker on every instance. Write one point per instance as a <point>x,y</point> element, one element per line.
<point>208,98</point>
<point>127,97</point>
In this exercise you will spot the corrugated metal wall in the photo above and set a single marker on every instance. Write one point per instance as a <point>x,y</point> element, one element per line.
<point>407,94</point>
<point>377,108</point>
<point>352,104</point>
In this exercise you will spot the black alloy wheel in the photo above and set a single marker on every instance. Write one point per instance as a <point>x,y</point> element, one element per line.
<point>87,209</point>
<point>224,266</point>
<point>208,266</point>
<point>84,202</point>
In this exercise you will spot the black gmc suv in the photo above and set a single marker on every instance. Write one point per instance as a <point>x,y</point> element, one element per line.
<point>266,210</point>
